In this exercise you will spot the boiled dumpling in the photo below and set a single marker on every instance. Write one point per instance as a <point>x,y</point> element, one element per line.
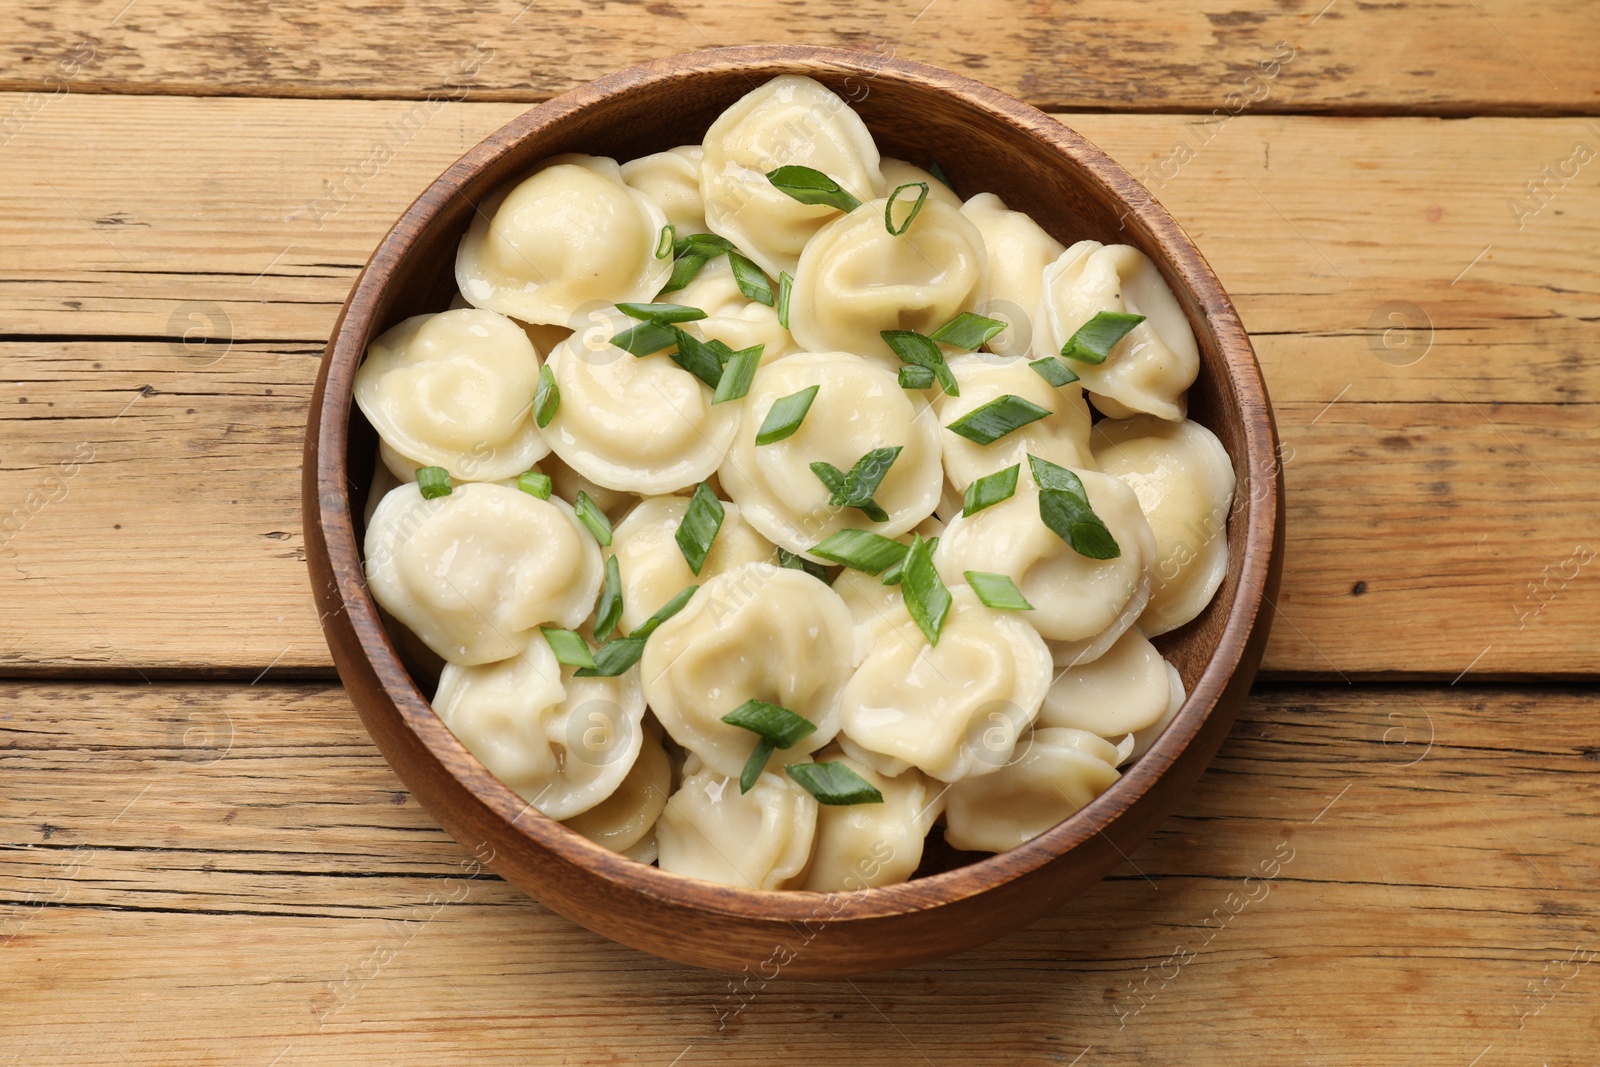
<point>756,632</point>
<point>1184,481</point>
<point>453,390</point>
<point>475,572</point>
<point>1058,773</point>
<point>856,279</point>
<point>952,709</point>
<point>1122,692</point>
<point>858,846</point>
<point>1148,370</point>
<point>672,180</point>
<point>1143,739</point>
<point>1019,250</point>
<point>789,121</point>
<point>858,407</point>
<point>755,840</point>
<point>731,317</point>
<point>652,565</point>
<point>567,483</point>
<point>627,818</point>
<point>562,743</point>
<point>1062,437</point>
<point>637,424</point>
<point>569,236</point>
<point>897,172</point>
<point>1081,605</point>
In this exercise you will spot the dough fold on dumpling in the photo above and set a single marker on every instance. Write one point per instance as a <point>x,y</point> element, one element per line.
<point>672,180</point>
<point>1058,773</point>
<point>1019,251</point>
<point>755,840</point>
<point>628,816</point>
<point>858,846</point>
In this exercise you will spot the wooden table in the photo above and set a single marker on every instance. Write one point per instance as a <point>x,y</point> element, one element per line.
<point>206,861</point>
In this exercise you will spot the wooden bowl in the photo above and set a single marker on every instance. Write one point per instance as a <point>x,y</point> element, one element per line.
<point>985,141</point>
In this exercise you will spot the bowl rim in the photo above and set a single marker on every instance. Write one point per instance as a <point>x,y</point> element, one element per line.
<point>328,440</point>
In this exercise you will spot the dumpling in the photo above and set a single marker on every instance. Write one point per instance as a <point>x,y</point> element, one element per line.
<point>562,743</point>
<point>637,424</point>
<point>1148,370</point>
<point>897,172</point>
<point>1124,691</point>
<point>383,480</point>
<point>627,818</point>
<point>475,572</point>
<point>1059,773</point>
<point>1184,480</point>
<point>858,846</point>
<point>1081,605</point>
<point>671,180</point>
<point>1143,739</point>
<point>567,483</point>
<point>568,236</point>
<point>856,279</point>
<point>1019,250</point>
<point>789,121</point>
<point>453,390</point>
<point>953,709</point>
<point>652,566</point>
<point>871,603</point>
<point>756,632</point>
<point>1062,438</point>
<point>858,407</point>
<point>731,317</point>
<point>755,840</point>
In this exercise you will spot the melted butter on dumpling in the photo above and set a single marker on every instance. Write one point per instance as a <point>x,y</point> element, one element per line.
<point>474,573</point>
<point>569,235</point>
<point>756,632</point>
<point>859,406</point>
<point>789,121</point>
<point>1019,251</point>
<point>755,840</point>
<point>1062,437</point>
<point>652,565</point>
<point>453,390</point>
<point>856,279</point>
<point>1057,774</point>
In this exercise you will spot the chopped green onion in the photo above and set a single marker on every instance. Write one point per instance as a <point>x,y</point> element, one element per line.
<point>704,245</point>
<point>785,293</point>
<point>916,208</point>
<point>856,489</point>
<point>967,331</point>
<point>535,484</point>
<point>990,490</point>
<point>645,338</point>
<point>697,357</point>
<point>608,611</point>
<point>699,527</point>
<point>1093,341</point>
<point>668,610</point>
<point>665,314</point>
<point>664,243</point>
<point>926,597</point>
<point>992,421</point>
<point>754,766</point>
<point>433,482</point>
<point>938,172</point>
<point>751,280</point>
<point>737,375</point>
<point>590,515</point>
<point>1064,507</point>
<point>834,783</point>
<point>896,574</point>
<point>810,186</point>
<point>620,653</point>
<point>795,562</point>
<point>1054,371</point>
<point>546,397</point>
<point>920,351</point>
<point>780,726</point>
<point>570,648</point>
<point>684,270</point>
<point>914,377</point>
<point>785,415</point>
<point>997,591</point>
<point>724,353</point>
<point>830,476</point>
<point>861,550</point>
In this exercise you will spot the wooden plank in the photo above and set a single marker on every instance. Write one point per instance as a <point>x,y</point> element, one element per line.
<point>1493,57</point>
<point>1416,856</point>
<point>1455,488</point>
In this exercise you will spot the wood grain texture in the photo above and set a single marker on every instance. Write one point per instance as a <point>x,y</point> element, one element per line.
<point>1461,541</point>
<point>1488,57</point>
<point>215,873</point>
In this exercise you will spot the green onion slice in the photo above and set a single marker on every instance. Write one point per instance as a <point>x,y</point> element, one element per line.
<point>433,482</point>
<point>753,766</point>
<point>546,397</point>
<point>570,648</point>
<point>684,270</point>
<point>811,186</point>
<point>992,421</point>
<point>779,726</point>
<point>751,280</point>
<point>968,331</point>
<point>535,484</point>
<point>920,351</point>
<point>697,357</point>
<point>914,377</point>
<point>861,550</point>
<point>896,574</point>
<point>785,416</point>
<point>699,527</point>
<point>645,338</point>
<point>997,591</point>
<point>664,243</point>
<point>938,172</point>
<point>830,476</point>
<point>796,562</point>
<point>704,245</point>
<point>990,490</point>
<point>665,314</point>
<point>590,515</point>
<point>608,611</point>
<point>926,597</point>
<point>1064,507</point>
<point>833,783</point>
<point>620,653</point>
<point>668,610</point>
<point>1093,341</point>
<point>916,208</point>
<point>1054,371</point>
<point>737,375</point>
<point>785,293</point>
